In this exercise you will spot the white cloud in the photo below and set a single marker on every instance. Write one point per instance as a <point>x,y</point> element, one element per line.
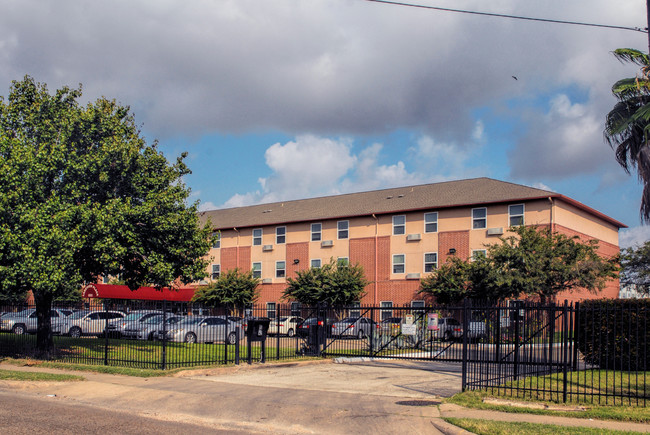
<point>634,236</point>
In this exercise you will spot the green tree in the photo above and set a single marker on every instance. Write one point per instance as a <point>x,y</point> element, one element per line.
<point>84,196</point>
<point>335,283</point>
<point>627,125</point>
<point>532,261</point>
<point>234,289</point>
<point>635,267</point>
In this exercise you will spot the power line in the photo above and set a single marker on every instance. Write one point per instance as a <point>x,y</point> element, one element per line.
<point>515,17</point>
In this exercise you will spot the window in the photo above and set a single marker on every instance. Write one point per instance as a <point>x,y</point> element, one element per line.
<point>316,230</point>
<point>398,263</point>
<point>386,309</point>
<point>216,271</point>
<point>430,262</point>
<point>315,263</point>
<point>431,222</point>
<point>477,253</point>
<point>343,229</point>
<point>516,214</point>
<point>343,261</point>
<point>417,304</point>
<point>479,218</point>
<point>257,236</point>
<point>280,235</point>
<point>257,270</point>
<point>270,310</point>
<point>105,279</point>
<point>355,311</point>
<point>295,308</point>
<point>216,240</point>
<point>399,225</point>
<point>280,269</point>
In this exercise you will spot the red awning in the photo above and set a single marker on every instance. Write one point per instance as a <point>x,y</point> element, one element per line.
<point>113,291</point>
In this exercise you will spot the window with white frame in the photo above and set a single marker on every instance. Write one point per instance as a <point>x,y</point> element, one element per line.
<point>430,261</point>
<point>280,269</point>
<point>386,309</point>
<point>257,270</point>
<point>315,263</point>
<point>257,236</point>
<point>355,310</point>
<point>316,232</point>
<point>216,271</point>
<point>416,306</point>
<point>478,253</point>
<point>280,235</point>
<point>479,218</point>
<point>431,222</point>
<point>398,263</point>
<point>270,310</point>
<point>216,240</point>
<point>516,214</point>
<point>343,229</point>
<point>343,261</point>
<point>295,308</point>
<point>399,225</point>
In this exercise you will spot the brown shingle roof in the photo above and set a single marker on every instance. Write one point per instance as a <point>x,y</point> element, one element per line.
<point>387,201</point>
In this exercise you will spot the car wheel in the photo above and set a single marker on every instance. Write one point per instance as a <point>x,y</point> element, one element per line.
<point>290,333</point>
<point>75,332</point>
<point>190,338</point>
<point>19,329</point>
<point>232,338</point>
<point>360,335</point>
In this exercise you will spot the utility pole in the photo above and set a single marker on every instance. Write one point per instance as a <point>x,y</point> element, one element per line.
<point>647,9</point>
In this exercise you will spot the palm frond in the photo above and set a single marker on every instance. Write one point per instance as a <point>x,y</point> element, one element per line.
<point>632,55</point>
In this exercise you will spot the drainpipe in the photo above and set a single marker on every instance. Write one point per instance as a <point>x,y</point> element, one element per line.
<point>550,199</point>
<point>237,231</point>
<point>376,234</point>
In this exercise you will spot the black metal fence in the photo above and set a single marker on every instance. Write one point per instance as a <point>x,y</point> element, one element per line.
<point>553,352</point>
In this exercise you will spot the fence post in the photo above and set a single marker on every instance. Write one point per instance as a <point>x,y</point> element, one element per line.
<point>372,330</point>
<point>465,326</point>
<point>515,367</point>
<point>164,341</point>
<point>105,334</point>
<point>576,334</point>
<point>277,334</point>
<point>565,345</point>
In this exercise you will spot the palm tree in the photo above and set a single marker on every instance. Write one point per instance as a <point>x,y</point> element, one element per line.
<point>627,127</point>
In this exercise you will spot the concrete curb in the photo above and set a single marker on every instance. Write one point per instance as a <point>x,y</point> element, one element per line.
<point>448,428</point>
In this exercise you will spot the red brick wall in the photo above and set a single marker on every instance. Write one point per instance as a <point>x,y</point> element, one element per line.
<point>458,240</point>
<point>270,293</point>
<point>299,251</point>
<point>228,259</point>
<point>362,251</point>
<point>245,263</point>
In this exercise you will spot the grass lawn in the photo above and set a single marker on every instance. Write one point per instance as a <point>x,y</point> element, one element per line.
<point>17,375</point>
<point>486,427</point>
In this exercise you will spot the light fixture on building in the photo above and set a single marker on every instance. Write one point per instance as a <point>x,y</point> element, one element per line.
<point>296,261</point>
<point>452,251</point>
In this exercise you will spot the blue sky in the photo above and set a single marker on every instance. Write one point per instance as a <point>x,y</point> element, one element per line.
<point>288,99</point>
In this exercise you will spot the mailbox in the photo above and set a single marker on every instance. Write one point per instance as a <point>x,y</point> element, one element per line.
<point>257,329</point>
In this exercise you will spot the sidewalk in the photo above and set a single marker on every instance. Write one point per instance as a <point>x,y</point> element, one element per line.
<point>296,398</point>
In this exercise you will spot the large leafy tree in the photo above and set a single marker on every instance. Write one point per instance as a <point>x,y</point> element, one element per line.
<point>627,126</point>
<point>234,289</point>
<point>532,261</point>
<point>83,195</point>
<point>635,267</point>
<point>335,283</point>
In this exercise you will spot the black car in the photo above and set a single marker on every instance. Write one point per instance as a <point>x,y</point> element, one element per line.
<point>308,324</point>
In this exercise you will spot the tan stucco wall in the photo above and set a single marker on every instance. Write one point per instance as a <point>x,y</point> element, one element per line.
<point>572,217</point>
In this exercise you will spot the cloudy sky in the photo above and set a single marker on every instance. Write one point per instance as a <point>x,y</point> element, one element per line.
<point>285,99</point>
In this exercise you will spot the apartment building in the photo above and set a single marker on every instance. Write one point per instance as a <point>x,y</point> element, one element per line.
<point>398,235</point>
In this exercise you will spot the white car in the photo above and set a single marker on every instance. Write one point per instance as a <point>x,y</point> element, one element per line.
<point>285,325</point>
<point>88,322</point>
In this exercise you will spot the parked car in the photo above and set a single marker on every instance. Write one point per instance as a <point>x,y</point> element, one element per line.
<point>391,326</point>
<point>285,325</point>
<point>309,323</point>
<point>116,328</point>
<point>196,329</point>
<point>26,321</point>
<point>88,322</point>
<point>359,327</point>
<point>476,330</point>
<point>449,329</point>
<point>148,328</point>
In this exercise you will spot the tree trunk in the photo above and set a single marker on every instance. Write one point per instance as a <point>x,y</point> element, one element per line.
<point>44,341</point>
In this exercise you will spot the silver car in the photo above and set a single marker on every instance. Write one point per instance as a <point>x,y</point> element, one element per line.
<point>88,322</point>
<point>148,328</point>
<point>26,321</point>
<point>359,327</point>
<point>132,320</point>
<point>197,329</point>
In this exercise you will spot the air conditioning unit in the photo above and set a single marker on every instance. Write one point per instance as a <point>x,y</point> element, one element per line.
<point>267,248</point>
<point>412,276</point>
<point>494,231</point>
<point>326,243</point>
<point>413,237</point>
<point>267,281</point>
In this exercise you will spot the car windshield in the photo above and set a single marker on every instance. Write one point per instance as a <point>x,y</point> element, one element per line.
<point>152,319</point>
<point>78,315</point>
<point>350,320</point>
<point>192,320</point>
<point>134,316</point>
